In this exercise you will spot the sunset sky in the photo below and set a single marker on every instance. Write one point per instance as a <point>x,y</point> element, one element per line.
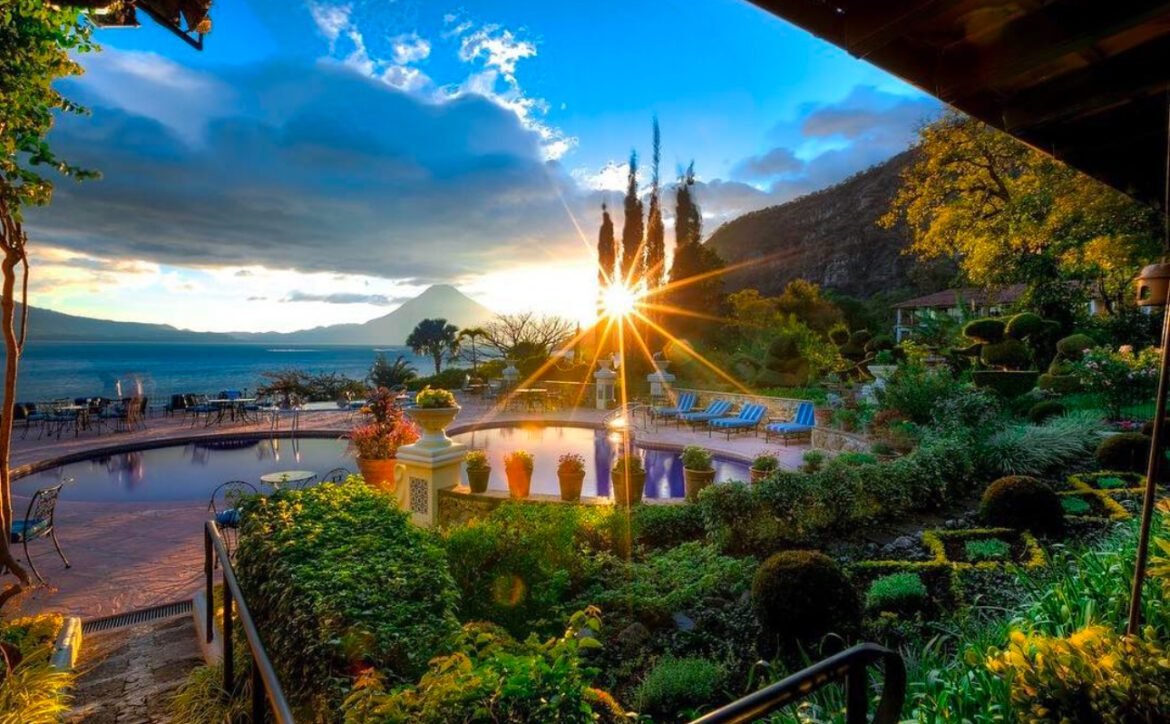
<point>320,162</point>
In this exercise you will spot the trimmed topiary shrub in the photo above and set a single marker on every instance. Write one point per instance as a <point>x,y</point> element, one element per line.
<point>1059,383</point>
<point>1128,451</point>
<point>1045,409</point>
<point>783,365</point>
<point>900,593</point>
<point>1024,325</point>
<point>1008,354</point>
<point>987,330</point>
<point>1074,345</point>
<point>1023,503</point>
<point>1009,383</point>
<point>674,686</point>
<point>803,595</point>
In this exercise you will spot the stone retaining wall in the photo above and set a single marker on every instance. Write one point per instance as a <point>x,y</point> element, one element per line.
<point>830,440</point>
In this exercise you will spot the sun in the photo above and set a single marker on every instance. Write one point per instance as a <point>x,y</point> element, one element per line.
<point>619,301</point>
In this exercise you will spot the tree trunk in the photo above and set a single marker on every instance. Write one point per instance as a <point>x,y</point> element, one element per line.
<point>438,357</point>
<point>12,243</point>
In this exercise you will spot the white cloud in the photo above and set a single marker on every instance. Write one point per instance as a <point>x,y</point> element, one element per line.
<point>499,48</point>
<point>611,177</point>
<point>410,48</point>
<point>331,20</point>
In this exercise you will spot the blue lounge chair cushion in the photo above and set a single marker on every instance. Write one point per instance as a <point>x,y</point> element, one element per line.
<point>718,408</point>
<point>686,402</point>
<point>21,528</point>
<point>229,518</point>
<point>749,416</point>
<point>788,427</point>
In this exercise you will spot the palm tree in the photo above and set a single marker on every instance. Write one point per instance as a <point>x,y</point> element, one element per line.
<point>472,334</point>
<point>383,373</point>
<point>434,338</point>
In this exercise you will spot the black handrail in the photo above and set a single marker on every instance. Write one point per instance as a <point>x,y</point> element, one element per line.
<point>263,675</point>
<point>851,665</point>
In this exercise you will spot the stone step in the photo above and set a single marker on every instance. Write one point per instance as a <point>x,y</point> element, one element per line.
<point>128,675</point>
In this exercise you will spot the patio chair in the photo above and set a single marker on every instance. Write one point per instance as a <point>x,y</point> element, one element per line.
<point>749,418</point>
<point>336,475</point>
<point>27,411</point>
<point>685,403</point>
<point>715,410</point>
<point>224,508</point>
<point>799,427</point>
<point>39,522</point>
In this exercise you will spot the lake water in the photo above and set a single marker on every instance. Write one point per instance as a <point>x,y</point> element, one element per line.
<point>51,370</point>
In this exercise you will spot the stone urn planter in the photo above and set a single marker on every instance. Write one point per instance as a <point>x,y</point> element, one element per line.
<point>695,480</point>
<point>882,372</point>
<point>518,469</point>
<point>378,473</point>
<point>433,421</point>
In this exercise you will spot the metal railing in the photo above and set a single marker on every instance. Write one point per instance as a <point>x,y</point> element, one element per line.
<point>851,665</point>
<point>263,675</point>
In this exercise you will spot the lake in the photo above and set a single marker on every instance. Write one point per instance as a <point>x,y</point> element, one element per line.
<point>51,370</point>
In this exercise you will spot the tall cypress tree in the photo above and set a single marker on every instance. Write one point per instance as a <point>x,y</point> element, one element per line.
<point>632,230</point>
<point>606,254</point>
<point>655,230</point>
<point>693,259</point>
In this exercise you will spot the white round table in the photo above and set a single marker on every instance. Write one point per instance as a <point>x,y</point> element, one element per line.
<point>285,477</point>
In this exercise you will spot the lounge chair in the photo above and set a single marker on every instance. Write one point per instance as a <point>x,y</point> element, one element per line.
<point>685,403</point>
<point>715,410</point>
<point>749,418</point>
<point>800,426</point>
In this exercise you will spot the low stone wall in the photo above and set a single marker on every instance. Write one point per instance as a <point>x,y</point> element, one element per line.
<point>824,438</point>
<point>784,407</point>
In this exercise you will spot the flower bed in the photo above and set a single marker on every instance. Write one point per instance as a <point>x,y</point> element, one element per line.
<point>1107,480</point>
<point>938,578</point>
<point>1094,505</point>
<point>951,547</point>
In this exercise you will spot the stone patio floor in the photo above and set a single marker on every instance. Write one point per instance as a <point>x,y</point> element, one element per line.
<point>127,556</point>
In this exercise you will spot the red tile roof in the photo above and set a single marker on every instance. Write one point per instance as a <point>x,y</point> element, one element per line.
<point>969,295</point>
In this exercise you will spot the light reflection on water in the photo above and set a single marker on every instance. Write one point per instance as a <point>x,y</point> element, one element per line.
<point>190,472</point>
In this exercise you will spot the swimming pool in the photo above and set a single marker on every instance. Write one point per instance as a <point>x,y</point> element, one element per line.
<point>190,471</point>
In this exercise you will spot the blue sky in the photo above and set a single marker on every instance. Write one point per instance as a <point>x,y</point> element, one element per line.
<point>320,161</point>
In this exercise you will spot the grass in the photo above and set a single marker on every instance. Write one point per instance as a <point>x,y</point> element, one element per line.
<point>1075,506</point>
<point>987,549</point>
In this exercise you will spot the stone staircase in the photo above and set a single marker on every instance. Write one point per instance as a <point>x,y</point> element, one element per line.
<point>128,674</point>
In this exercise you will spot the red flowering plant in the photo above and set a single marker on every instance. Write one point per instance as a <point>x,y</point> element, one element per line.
<point>386,430</point>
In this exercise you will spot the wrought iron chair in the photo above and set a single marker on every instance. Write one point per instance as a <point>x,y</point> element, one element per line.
<point>224,507</point>
<point>336,475</point>
<point>39,522</point>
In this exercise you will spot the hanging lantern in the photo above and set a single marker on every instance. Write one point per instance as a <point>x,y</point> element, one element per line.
<point>1152,285</point>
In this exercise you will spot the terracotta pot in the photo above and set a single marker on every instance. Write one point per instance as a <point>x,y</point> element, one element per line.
<point>433,421</point>
<point>696,480</point>
<point>519,480</point>
<point>823,416</point>
<point>758,475</point>
<point>477,480</point>
<point>571,484</point>
<point>378,473</point>
<point>627,492</point>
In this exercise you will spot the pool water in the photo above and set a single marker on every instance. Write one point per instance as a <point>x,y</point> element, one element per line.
<point>189,472</point>
<point>664,472</point>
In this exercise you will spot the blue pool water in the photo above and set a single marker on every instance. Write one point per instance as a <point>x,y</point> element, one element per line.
<point>189,472</point>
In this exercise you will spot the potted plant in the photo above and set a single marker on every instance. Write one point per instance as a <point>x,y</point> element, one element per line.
<point>698,470</point>
<point>763,465</point>
<point>571,474</point>
<point>518,468</point>
<point>376,440</point>
<point>478,471</point>
<point>433,410</point>
<point>883,365</point>
<point>629,480</point>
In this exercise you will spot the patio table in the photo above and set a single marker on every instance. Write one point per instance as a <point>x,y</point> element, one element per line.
<point>531,396</point>
<point>229,405</point>
<point>286,477</point>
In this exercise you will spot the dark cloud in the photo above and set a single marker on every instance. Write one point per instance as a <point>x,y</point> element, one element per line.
<point>774,163</point>
<point>318,169</point>
<point>380,300</point>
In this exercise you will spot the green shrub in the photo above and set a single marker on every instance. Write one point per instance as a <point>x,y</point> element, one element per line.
<point>854,458</point>
<point>1041,449</point>
<point>1023,503</point>
<point>1041,411</point>
<point>1058,383</point>
<point>32,691</point>
<point>987,549</point>
<point>914,391</point>
<point>1127,451</point>
<point>986,330</point>
<point>677,686</point>
<point>670,581</point>
<point>697,458</point>
<point>1009,383</point>
<point>901,593</point>
<point>765,462</point>
<point>491,677</point>
<point>1074,345</point>
<point>1024,325</point>
<point>335,576</point>
<point>1110,483</point>
<point>1073,505</point>
<point>1009,354</point>
<point>520,565</point>
<point>451,378</point>
<point>813,460</point>
<point>803,595</point>
<point>662,526</point>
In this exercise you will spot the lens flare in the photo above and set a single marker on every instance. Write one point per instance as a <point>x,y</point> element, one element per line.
<point>619,301</point>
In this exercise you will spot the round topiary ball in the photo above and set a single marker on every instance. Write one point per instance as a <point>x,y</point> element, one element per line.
<point>1024,325</point>
<point>985,330</point>
<point>1023,503</point>
<point>1127,451</point>
<point>1074,345</point>
<point>803,595</point>
<point>1044,410</point>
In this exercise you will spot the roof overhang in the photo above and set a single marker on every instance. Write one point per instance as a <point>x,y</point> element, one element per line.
<point>1086,81</point>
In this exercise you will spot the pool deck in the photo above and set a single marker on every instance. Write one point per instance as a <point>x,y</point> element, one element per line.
<point>127,556</point>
